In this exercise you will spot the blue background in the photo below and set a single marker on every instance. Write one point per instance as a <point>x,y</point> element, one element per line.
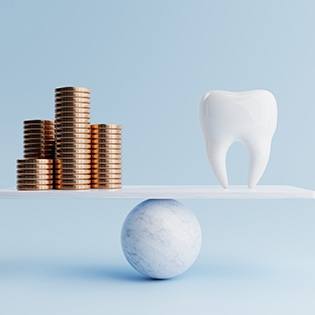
<point>148,64</point>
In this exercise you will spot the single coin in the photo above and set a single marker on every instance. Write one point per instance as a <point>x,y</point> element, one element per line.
<point>116,159</point>
<point>34,166</point>
<point>72,106</point>
<point>35,170</point>
<point>76,181</point>
<point>72,152</point>
<point>65,124</point>
<point>106,171</point>
<point>72,88</point>
<point>74,171</point>
<point>105,163</point>
<point>38,155</point>
<point>36,187</point>
<point>38,173</point>
<point>109,143</point>
<point>33,183</point>
<point>106,186</point>
<point>34,176</point>
<point>40,128</point>
<point>75,155</point>
<point>73,177</point>
<point>37,122</point>
<point>34,135</point>
<point>98,135</point>
<point>74,99</point>
<point>61,112</point>
<point>70,115</point>
<point>72,135</point>
<point>63,128</point>
<point>102,151</point>
<point>75,187</point>
<point>73,120</point>
<point>73,95</point>
<point>106,140</point>
<point>35,161</point>
<point>105,146</point>
<point>68,147</point>
<point>64,142</point>
<point>77,166</point>
<point>108,176</point>
<point>103,127</point>
<point>107,137</point>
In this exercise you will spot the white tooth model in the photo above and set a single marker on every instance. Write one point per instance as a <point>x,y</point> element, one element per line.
<point>249,117</point>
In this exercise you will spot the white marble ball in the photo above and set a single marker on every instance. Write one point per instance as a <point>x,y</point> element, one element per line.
<point>161,238</point>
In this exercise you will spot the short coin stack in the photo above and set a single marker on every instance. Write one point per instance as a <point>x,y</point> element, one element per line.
<point>106,156</point>
<point>39,139</point>
<point>34,174</point>
<point>73,143</point>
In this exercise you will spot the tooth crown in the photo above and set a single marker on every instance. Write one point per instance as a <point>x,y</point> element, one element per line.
<point>249,117</point>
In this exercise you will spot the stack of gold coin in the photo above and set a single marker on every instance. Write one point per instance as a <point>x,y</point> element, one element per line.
<point>106,156</point>
<point>73,143</point>
<point>35,174</point>
<point>39,139</point>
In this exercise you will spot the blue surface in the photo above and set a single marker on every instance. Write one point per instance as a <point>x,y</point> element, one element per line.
<point>148,64</point>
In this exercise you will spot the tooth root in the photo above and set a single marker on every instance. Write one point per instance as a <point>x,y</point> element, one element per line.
<point>259,152</point>
<point>217,156</point>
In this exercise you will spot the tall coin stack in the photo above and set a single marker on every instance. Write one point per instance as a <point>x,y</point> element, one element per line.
<point>34,174</point>
<point>39,139</point>
<point>106,156</point>
<point>72,134</point>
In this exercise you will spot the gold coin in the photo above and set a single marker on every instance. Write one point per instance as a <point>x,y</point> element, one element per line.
<point>106,164</point>
<point>74,99</point>
<point>34,167</point>
<point>34,176</point>
<point>72,124</point>
<point>64,142</point>
<point>74,171</point>
<point>37,122</point>
<point>105,154</point>
<point>31,182</point>
<point>105,146</point>
<point>111,172</point>
<point>32,173</point>
<point>107,137</point>
<point>106,126</point>
<point>71,105</point>
<point>38,155</point>
<point>62,112</point>
<point>77,148</point>
<point>74,151</point>
<point>35,161</point>
<point>72,135</point>
<point>101,149</point>
<point>74,187</point>
<point>107,140</point>
<point>72,95</point>
<point>35,187</point>
<point>107,176</point>
<point>72,88</point>
<point>107,143</point>
<point>73,177</point>
<point>102,127</point>
<point>39,129</point>
<point>76,181</point>
<point>71,115</point>
<point>107,185</point>
<point>77,166</point>
<point>72,120</point>
<point>65,128</point>
<point>29,143</point>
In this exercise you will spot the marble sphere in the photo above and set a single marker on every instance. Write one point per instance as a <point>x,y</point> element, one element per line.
<point>161,238</point>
